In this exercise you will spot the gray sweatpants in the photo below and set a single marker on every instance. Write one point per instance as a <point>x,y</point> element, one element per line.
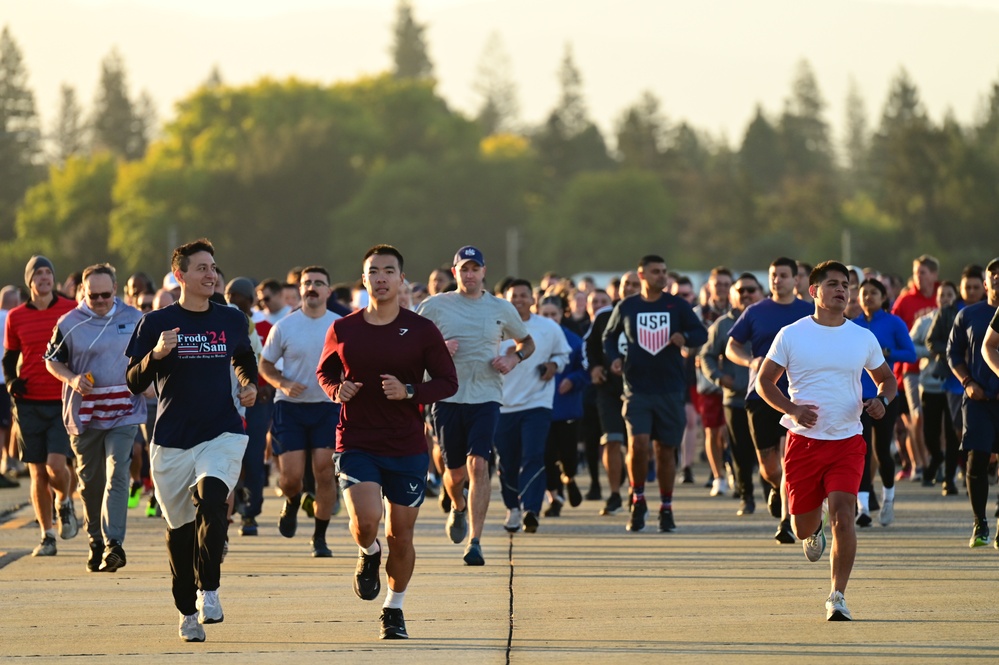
<point>103,458</point>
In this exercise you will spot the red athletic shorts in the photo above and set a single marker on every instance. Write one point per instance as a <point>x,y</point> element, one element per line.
<point>710,408</point>
<point>815,467</point>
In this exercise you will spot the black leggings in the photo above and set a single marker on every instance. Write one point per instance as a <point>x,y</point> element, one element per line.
<point>936,414</point>
<point>977,478</point>
<point>878,435</point>
<point>195,549</point>
<point>743,451</point>
<point>561,453</point>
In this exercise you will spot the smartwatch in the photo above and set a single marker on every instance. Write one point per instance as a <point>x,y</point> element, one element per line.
<point>519,354</point>
<point>410,391</point>
<point>884,400</point>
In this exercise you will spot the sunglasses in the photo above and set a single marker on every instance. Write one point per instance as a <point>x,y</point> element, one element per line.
<point>747,289</point>
<point>103,295</point>
<point>146,307</point>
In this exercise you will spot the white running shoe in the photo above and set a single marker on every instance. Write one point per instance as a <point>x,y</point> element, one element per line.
<point>836,608</point>
<point>209,607</point>
<point>815,544</point>
<point>512,523</point>
<point>887,512</point>
<point>719,487</point>
<point>190,629</point>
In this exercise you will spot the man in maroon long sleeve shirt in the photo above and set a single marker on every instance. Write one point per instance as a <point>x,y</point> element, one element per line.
<point>373,364</point>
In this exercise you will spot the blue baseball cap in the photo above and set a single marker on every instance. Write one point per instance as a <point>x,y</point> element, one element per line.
<point>468,253</point>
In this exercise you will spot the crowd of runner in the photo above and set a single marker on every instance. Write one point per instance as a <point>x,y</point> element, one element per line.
<point>192,392</point>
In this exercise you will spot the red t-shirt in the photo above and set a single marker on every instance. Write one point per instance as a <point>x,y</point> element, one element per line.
<point>29,330</point>
<point>361,352</point>
<point>909,306</point>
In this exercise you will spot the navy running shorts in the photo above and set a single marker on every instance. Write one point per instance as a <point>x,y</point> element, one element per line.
<point>465,429</point>
<point>304,426</point>
<point>403,479</point>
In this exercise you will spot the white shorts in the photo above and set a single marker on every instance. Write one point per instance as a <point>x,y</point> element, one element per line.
<point>176,472</point>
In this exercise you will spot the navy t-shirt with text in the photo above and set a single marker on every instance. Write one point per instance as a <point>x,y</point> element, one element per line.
<point>194,382</point>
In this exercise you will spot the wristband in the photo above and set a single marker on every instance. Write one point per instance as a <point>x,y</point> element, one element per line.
<point>965,381</point>
<point>519,354</point>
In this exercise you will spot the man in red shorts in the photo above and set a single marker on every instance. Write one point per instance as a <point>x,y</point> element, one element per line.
<point>823,355</point>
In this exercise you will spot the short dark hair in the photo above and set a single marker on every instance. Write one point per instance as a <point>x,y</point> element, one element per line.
<point>721,270</point>
<point>650,258</point>
<point>807,266</point>
<point>786,262</point>
<point>270,284</point>
<point>100,269</point>
<point>518,282</point>
<point>747,275</point>
<point>950,284</point>
<point>383,250</point>
<point>181,259</point>
<point>683,280</point>
<point>319,269</point>
<point>973,270</point>
<point>820,271</point>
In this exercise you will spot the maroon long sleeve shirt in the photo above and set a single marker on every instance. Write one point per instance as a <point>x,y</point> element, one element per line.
<point>361,352</point>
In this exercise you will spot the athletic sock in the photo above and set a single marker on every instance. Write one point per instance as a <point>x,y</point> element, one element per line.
<point>394,599</point>
<point>637,493</point>
<point>50,533</point>
<point>373,548</point>
<point>887,494</point>
<point>864,502</point>
<point>294,501</point>
<point>320,531</point>
<point>667,501</point>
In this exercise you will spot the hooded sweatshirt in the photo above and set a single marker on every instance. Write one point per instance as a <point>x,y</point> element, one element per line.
<point>85,342</point>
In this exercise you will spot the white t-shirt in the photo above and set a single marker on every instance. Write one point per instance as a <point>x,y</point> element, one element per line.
<point>523,388</point>
<point>823,366</point>
<point>298,341</point>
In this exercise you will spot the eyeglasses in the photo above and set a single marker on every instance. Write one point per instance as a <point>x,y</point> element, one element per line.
<point>316,284</point>
<point>747,289</point>
<point>103,295</point>
<point>264,298</point>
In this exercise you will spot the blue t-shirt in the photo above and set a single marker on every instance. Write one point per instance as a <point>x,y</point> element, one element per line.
<point>652,365</point>
<point>759,325</point>
<point>194,382</point>
<point>893,337</point>
<point>965,345</point>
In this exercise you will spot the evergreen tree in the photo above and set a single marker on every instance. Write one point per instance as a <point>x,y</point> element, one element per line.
<point>116,126</point>
<point>20,138</point>
<point>804,132</point>
<point>857,141</point>
<point>69,132</point>
<point>409,49</point>
<point>760,157</point>
<point>571,114</point>
<point>214,79</point>
<point>642,134</point>
<point>494,82</point>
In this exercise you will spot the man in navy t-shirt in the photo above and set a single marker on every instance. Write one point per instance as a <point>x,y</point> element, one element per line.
<point>749,341</point>
<point>186,350</point>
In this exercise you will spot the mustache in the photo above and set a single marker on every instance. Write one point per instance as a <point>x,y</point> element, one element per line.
<point>312,294</point>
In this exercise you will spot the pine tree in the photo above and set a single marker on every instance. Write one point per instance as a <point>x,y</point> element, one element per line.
<point>571,114</point>
<point>409,50</point>
<point>804,132</point>
<point>494,82</point>
<point>857,141</point>
<point>642,134</point>
<point>115,124</point>
<point>68,132</point>
<point>20,137</point>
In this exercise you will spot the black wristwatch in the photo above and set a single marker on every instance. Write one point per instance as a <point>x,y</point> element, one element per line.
<point>884,400</point>
<point>519,354</point>
<point>410,391</point>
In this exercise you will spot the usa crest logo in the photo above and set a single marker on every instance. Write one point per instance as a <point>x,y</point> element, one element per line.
<point>653,331</point>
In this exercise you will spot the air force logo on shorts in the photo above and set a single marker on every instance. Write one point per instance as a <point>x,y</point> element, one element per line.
<point>653,331</point>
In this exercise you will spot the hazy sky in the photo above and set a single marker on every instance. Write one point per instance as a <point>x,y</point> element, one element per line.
<point>710,63</point>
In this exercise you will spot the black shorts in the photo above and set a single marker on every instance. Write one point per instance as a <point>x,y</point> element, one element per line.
<point>764,424</point>
<point>609,408</point>
<point>6,415</point>
<point>40,431</point>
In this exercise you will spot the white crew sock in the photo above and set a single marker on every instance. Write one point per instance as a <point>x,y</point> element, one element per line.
<point>373,548</point>
<point>887,494</point>
<point>394,599</point>
<point>864,502</point>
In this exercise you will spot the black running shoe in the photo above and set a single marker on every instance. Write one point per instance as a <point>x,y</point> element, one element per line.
<point>784,535</point>
<point>773,502</point>
<point>864,520</point>
<point>367,582</point>
<point>688,476</point>
<point>746,508</point>
<point>613,505</point>
<point>554,510</point>
<point>872,504</point>
<point>393,625</point>
<point>94,558</point>
<point>637,521</point>
<point>594,494</point>
<point>288,522</point>
<point>114,557</point>
<point>666,523</point>
<point>575,496</point>
<point>320,550</point>
<point>530,522</point>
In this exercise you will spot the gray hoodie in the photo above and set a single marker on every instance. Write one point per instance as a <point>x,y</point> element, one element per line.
<point>86,342</point>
